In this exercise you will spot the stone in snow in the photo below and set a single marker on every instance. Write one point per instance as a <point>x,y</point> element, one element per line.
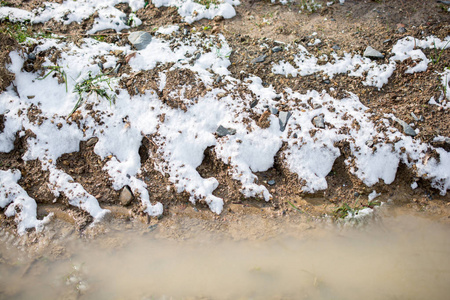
<point>284,118</point>
<point>254,103</point>
<point>222,131</point>
<point>140,39</point>
<point>372,53</point>
<point>319,122</point>
<point>259,59</point>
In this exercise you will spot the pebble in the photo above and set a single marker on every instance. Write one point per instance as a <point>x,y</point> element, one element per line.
<point>408,130</point>
<point>222,131</point>
<point>92,141</point>
<point>277,49</point>
<point>140,39</point>
<point>254,103</point>
<point>117,68</point>
<point>336,47</point>
<point>221,95</point>
<point>372,53</point>
<point>273,110</point>
<point>283,119</point>
<point>316,105</point>
<point>318,121</point>
<point>369,143</point>
<point>32,56</point>
<point>100,65</point>
<point>327,81</point>
<point>271,182</point>
<point>259,59</point>
<point>125,196</point>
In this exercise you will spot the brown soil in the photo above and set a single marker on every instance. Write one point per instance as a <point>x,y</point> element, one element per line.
<point>352,27</point>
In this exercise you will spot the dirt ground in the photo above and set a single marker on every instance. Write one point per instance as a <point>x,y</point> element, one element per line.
<point>352,26</point>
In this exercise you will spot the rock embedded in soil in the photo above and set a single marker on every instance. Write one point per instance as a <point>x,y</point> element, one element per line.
<point>372,53</point>
<point>277,49</point>
<point>126,196</point>
<point>318,121</point>
<point>259,59</point>
<point>408,130</point>
<point>140,39</point>
<point>222,131</point>
<point>284,118</point>
<point>271,182</point>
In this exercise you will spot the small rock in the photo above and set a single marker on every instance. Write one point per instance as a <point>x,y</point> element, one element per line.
<point>401,28</point>
<point>277,49</point>
<point>283,118</point>
<point>100,65</point>
<point>273,110</point>
<point>372,53</point>
<point>221,95</point>
<point>369,143</point>
<point>140,39</point>
<point>222,131</point>
<point>254,103</point>
<point>295,135</point>
<point>327,81</point>
<point>32,56</point>
<point>126,196</point>
<point>356,194</point>
<point>259,59</point>
<point>408,130</point>
<point>117,68</point>
<point>277,98</point>
<point>316,105</point>
<point>271,182</point>
<point>318,121</point>
<point>92,141</point>
<point>387,41</point>
<point>336,47</point>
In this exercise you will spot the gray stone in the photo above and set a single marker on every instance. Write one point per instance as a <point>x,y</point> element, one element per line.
<point>316,105</point>
<point>408,130</point>
<point>336,47</point>
<point>271,182</point>
<point>444,2</point>
<point>32,56</point>
<point>277,49</point>
<point>327,81</point>
<point>401,30</point>
<point>140,39</point>
<point>126,196</point>
<point>92,141</point>
<point>369,143</point>
<point>318,121</point>
<point>259,59</point>
<point>222,131</point>
<point>254,103</point>
<point>283,118</point>
<point>273,110</point>
<point>117,68</point>
<point>372,53</point>
<point>100,65</point>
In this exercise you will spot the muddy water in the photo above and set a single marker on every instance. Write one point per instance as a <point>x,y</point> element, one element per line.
<point>403,257</point>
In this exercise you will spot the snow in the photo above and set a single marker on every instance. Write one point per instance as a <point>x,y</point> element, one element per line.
<point>192,11</point>
<point>185,133</point>
<point>18,204</point>
<point>356,65</point>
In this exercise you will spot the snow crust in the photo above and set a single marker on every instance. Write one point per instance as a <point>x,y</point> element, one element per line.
<point>192,11</point>
<point>18,203</point>
<point>70,11</point>
<point>358,66</point>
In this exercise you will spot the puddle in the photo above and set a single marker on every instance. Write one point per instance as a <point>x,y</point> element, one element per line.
<point>403,257</point>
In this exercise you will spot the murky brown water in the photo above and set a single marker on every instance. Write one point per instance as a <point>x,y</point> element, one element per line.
<point>404,257</point>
